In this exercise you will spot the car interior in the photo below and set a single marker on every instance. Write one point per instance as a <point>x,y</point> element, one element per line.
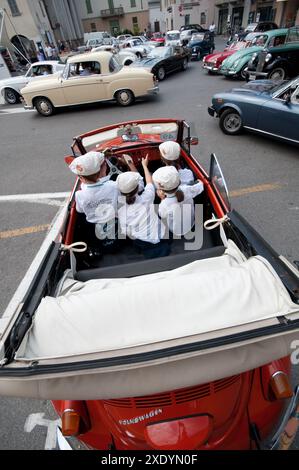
<point>126,261</point>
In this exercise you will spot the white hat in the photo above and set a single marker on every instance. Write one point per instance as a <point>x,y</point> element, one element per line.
<point>88,164</point>
<point>170,150</point>
<point>128,181</point>
<point>167,178</point>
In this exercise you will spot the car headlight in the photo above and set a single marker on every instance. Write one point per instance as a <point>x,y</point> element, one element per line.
<point>254,55</point>
<point>194,49</point>
<point>268,57</point>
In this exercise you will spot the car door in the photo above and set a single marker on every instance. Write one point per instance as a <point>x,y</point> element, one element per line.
<point>280,117</point>
<point>218,183</point>
<point>78,89</point>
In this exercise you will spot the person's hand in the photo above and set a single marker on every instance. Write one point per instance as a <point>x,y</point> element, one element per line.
<point>161,195</point>
<point>144,161</point>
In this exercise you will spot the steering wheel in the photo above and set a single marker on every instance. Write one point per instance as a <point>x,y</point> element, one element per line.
<point>113,168</point>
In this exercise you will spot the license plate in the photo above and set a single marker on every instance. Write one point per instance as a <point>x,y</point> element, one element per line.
<point>252,77</point>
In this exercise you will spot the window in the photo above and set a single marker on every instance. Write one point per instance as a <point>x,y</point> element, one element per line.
<point>114,66</point>
<point>187,19</point>
<point>203,18</point>
<point>133,3</point>
<point>88,6</point>
<point>293,35</point>
<point>13,7</point>
<point>135,20</point>
<point>93,27</point>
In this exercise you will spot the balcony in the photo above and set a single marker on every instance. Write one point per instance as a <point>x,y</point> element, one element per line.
<point>112,12</point>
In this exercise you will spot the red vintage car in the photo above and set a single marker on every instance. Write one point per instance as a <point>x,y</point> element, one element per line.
<point>190,351</point>
<point>213,62</point>
<point>158,38</point>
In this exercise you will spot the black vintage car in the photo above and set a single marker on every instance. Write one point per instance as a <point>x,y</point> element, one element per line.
<point>278,62</point>
<point>201,44</point>
<point>163,60</point>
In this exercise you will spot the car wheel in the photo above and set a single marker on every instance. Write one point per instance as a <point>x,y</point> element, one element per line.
<point>128,62</point>
<point>161,74</point>
<point>44,106</point>
<point>11,96</point>
<point>277,74</point>
<point>230,122</point>
<point>125,97</point>
<point>185,64</point>
<point>242,73</point>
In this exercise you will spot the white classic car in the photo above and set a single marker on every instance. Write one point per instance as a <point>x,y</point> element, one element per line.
<point>10,87</point>
<point>140,48</point>
<point>89,78</point>
<point>124,56</point>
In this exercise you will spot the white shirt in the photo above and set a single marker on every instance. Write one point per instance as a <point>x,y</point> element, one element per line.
<point>212,28</point>
<point>180,216</point>
<point>139,220</point>
<point>186,176</point>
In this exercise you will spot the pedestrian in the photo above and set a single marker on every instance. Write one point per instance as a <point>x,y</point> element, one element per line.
<point>212,27</point>
<point>40,55</point>
<point>49,51</point>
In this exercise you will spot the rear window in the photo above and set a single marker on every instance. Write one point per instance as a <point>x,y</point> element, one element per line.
<point>293,35</point>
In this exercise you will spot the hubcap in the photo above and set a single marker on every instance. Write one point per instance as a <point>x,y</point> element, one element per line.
<point>161,73</point>
<point>45,107</point>
<point>232,122</point>
<point>277,75</point>
<point>10,96</point>
<point>124,96</point>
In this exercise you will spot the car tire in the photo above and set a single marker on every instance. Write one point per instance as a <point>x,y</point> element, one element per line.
<point>124,97</point>
<point>185,64</point>
<point>44,106</point>
<point>11,96</point>
<point>277,74</point>
<point>161,74</point>
<point>230,122</point>
<point>242,74</point>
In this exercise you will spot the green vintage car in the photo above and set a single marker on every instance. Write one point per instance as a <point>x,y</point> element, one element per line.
<point>236,64</point>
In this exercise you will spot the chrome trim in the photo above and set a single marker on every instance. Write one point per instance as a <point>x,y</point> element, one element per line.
<point>28,107</point>
<point>270,133</point>
<point>153,91</point>
<point>281,440</point>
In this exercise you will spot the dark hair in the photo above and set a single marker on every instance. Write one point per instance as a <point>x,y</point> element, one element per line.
<point>131,197</point>
<point>178,194</point>
<point>174,163</point>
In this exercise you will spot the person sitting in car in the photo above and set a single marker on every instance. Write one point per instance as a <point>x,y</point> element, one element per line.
<point>86,69</point>
<point>170,152</point>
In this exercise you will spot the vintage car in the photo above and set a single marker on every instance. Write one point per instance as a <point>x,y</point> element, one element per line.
<point>268,107</point>
<point>137,46</point>
<point>105,80</point>
<point>212,62</point>
<point>10,88</point>
<point>124,56</point>
<point>159,38</point>
<point>188,351</point>
<point>162,61</point>
<point>198,27</point>
<point>257,27</point>
<point>201,44</point>
<point>236,64</point>
<point>172,38</point>
<point>278,62</point>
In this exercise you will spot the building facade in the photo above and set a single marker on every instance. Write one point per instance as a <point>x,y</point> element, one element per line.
<point>65,21</point>
<point>183,12</point>
<point>114,16</point>
<point>156,17</point>
<point>27,28</point>
<point>242,12</point>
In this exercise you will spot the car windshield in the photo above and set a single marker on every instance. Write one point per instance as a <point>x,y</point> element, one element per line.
<point>165,130</point>
<point>251,27</point>
<point>259,40</point>
<point>197,37</point>
<point>159,52</point>
<point>283,84</point>
<point>173,36</point>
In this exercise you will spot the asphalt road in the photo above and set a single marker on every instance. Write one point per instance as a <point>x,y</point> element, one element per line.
<point>261,174</point>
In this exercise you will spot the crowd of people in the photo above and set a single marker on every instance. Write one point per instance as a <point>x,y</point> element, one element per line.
<point>127,206</point>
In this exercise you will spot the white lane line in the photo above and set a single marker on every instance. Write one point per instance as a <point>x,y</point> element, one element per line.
<point>4,112</point>
<point>34,197</point>
<point>37,419</point>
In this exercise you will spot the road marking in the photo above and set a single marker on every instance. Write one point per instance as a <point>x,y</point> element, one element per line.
<point>24,231</point>
<point>37,419</point>
<point>29,197</point>
<point>255,189</point>
<point>5,112</point>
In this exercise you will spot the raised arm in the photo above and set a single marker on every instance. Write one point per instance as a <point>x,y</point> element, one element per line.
<point>147,174</point>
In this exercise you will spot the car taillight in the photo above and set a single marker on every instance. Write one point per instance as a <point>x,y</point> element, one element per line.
<point>74,418</point>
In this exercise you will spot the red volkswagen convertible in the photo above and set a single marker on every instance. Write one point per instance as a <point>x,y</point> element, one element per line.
<point>189,351</point>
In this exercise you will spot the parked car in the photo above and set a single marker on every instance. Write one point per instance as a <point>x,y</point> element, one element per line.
<point>10,88</point>
<point>181,370</point>
<point>261,26</point>
<point>124,56</point>
<point>201,44</point>
<point>172,38</point>
<point>278,62</point>
<point>159,38</point>
<point>236,64</point>
<point>163,60</point>
<point>212,62</point>
<point>123,37</point>
<point>137,46</point>
<point>267,107</point>
<point>106,80</point>
<point>186,36</point>
<point>198,27</point>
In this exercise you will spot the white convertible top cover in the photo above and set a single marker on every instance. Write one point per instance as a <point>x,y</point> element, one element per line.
<point>115,314</point>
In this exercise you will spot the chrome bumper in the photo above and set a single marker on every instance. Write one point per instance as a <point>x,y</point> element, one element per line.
<point>153,91</point>
<point>228,73</point>
<point>288,428</point>
<point>28,107</point>
<point>254,75</point>
<point>210,67</point>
